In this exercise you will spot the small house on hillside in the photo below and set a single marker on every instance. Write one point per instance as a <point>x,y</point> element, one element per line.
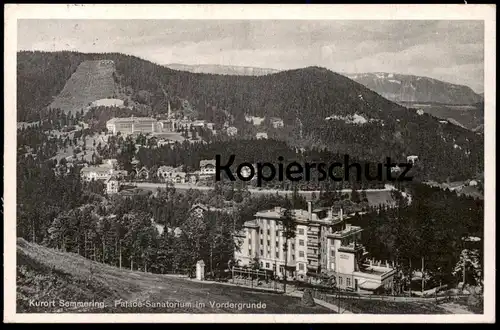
<point>142,174</point>
<point>231,131</point>
<point>277,122</point>
<point>261,135</point>
<point>207,167</point>
<point>412,159</point>
<point>112,184</point>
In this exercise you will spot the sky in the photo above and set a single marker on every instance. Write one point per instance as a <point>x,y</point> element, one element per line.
<point>451,51</point>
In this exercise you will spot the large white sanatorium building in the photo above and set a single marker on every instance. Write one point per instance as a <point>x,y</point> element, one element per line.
<point>132,125</point>
<point>323,242</point>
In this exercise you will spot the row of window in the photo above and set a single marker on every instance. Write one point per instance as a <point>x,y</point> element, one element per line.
<point>300,232</point>
<point>348,281</point>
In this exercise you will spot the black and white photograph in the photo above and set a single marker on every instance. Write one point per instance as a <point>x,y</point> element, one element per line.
<point>259,164</point>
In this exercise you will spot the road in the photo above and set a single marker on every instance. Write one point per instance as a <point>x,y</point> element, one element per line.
<point>256,191</point>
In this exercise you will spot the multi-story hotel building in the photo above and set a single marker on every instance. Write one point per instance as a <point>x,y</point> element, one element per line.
<point>133,125</point>
<point>323,243</point>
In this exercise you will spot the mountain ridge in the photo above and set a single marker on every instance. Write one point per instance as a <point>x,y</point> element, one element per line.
<point>304,98</point>
<point>412,88</point>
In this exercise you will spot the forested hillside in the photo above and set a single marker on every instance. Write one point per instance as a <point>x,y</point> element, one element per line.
<point>304,98</point>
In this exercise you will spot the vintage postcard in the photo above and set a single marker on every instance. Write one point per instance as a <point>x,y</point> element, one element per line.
<point>249,163</point>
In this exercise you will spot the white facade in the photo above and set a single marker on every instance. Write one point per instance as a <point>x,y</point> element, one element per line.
<point>232,131</point>
<point>261,135</point>
<point>132,125</point>
<point>207,167</point>
<point>412,159</point>
<point>323,243</point>
<point>112,185</point>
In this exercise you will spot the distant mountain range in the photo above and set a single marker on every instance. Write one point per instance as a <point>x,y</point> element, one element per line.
<point>392,86</point>
<point>409,88</point>
<point>222,69</point>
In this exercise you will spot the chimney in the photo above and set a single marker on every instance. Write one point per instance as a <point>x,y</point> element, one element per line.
<point>309,209</point>
<point>341,214</point>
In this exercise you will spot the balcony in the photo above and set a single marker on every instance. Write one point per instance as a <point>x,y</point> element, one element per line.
<point>313,256</point>
<point>312,243</point>
<point>353,248</point>
<point>313,266</point>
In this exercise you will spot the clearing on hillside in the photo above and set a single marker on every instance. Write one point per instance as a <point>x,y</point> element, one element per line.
<point>56,278</point>
<point>92,80</point>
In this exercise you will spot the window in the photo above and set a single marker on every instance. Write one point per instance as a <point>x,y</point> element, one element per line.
<point>301,266</point>
<point>348,281</point>
<point>301,254</point>
<point>301,242</point>
<point>277,234</point>
<point>301,231</point>
<point>261,264</point>
<point>261,241</point>
<point>293,246</point>
<point>277,255</point>
<point>293,257</point>
<point>341,280</point>
<point>332,253</point>
<point>267,265</point>
<point>274,268</point>
<point>268,242</point>
<point>249,241</point>
<point>268,232</point>
<point>261,252</point>
<point>261,231</point>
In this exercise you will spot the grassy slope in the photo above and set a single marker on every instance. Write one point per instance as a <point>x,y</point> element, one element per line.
<point>44,274</point>
<point>91,81</point>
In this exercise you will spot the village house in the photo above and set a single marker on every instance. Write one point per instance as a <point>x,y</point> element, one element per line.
<point>171,174</point>
<point>261,135</point>
<point>210,126</point>
<point>324,243</point>
<point>412,159</point>
<point>134,192</point>
<point>113,163</point>
<point>192,177</point>
<point>207,167</point>
<point>142,174</point>
<point>256,121</point>
<point>198,123</point>
<point>277,122</point>
<point>231,131</point>
<point>163,142</point>
<point>176,231</point>
<point>102,172</point>
<point>112,184</point>
<point>199,210</point>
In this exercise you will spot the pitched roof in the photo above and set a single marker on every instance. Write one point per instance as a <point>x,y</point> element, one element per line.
<point>206,162</point>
